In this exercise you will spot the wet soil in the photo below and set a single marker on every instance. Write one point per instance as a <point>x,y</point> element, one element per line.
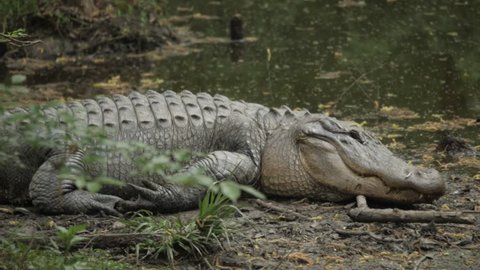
<point>301,234</point>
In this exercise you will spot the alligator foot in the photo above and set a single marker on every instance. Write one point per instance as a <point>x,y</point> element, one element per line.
<point>162,198</point>
<point>88,202</point>
<point>53,195</point>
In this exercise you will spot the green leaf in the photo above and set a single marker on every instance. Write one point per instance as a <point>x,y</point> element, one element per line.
<point>18,78</point>
<point>231,190</point>
<point>77,239</point>
<point>94,186</point>
<point>62,229</point>
<point>79,182</point>
<point>204,180</point>
<point>252,191</point>
<point>181,155</point>
<point>104,180</point>
<point>184,179</point>
<point>192,179</point>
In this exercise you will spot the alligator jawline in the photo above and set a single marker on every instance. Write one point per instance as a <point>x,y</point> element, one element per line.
<point>391,190</point>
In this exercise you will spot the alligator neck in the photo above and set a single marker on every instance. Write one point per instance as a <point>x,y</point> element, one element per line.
<point>282,172</point>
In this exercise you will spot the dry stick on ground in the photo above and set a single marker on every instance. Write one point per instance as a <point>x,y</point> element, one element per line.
<point>282,210</point>
<point>419,262</point>
<point>110,240</point>
<point>365,214</point>
<point>371,234</point>
<point>103,241</point>
<point>18,42</point>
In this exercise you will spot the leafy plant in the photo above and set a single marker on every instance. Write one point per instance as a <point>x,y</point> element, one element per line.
<point>17,255</point>
<point>196,237</point>
<point>16,34</point>
<point>68,237</point>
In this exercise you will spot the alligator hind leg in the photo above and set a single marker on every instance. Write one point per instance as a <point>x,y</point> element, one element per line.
<point>52,195</point>
<point>169,197</point>
<point>166,198</point>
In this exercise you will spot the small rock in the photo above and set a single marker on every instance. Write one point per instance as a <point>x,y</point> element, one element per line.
<point>118,225</point>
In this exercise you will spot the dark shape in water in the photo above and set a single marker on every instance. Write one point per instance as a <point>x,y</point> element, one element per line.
<point>455,147</point>
<point>3,49</point>
<point>236,51</point>
<point>236,27</point>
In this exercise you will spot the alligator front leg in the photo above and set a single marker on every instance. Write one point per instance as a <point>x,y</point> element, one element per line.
<point>55,196</point>
<point>170,197</point>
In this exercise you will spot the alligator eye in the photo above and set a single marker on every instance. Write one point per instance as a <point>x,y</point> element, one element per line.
<point>356,135</point>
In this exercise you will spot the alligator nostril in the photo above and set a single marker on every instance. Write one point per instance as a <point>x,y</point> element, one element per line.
<point>344,141</point>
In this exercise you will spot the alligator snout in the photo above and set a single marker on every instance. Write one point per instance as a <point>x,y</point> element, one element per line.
<point>424,180</point>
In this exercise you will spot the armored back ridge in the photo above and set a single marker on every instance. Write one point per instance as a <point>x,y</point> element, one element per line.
<point>302,154</point>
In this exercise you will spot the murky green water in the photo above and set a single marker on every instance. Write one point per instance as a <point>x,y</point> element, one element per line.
<point>422,55</point>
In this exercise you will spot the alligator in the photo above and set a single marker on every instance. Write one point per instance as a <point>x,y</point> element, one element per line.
<point>283,152</point>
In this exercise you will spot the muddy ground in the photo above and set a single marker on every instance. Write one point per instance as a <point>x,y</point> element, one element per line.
<point>269,238</point>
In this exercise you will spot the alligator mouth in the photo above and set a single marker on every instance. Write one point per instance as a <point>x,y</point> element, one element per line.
<point>384,192</point>
<point>383,177</point>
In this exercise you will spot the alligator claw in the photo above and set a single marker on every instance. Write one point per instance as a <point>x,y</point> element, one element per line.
<point>151,185</point>
<point>80,201</point>
<point>164,199</point>
<point>68,186</point>
<point>143,192</point>
<point>134,205</point>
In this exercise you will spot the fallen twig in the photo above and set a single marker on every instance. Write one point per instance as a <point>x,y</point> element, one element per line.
<point>371,234</point>
<point>109,240</point>
<point>106,240</point>
<point>337,207</point>
<point>282,210</point>
<point>18,42</point>
<point>365,214</point>
<point>419,262</point>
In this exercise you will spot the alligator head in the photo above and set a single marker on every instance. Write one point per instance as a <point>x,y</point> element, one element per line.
<point>333,160</point>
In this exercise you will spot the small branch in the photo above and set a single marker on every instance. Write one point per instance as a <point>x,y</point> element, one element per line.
<point>103,241</point>
<point>17,42</point>
<point>110,240</point>
<point>419,262</point>
<point>371,234</point>
<point>365,214</point>
<point>282,210</point>
<point>336,207</point>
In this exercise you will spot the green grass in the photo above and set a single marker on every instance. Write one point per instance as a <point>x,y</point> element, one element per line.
<point>195,237</point>
<point>15,255</point>
<point>166,240</point>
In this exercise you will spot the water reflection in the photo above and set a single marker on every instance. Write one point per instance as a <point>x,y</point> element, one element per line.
<point>236,51</point>
<point>418,55</point>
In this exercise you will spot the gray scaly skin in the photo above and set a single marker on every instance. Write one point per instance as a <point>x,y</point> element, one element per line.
<point>283,152</point>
